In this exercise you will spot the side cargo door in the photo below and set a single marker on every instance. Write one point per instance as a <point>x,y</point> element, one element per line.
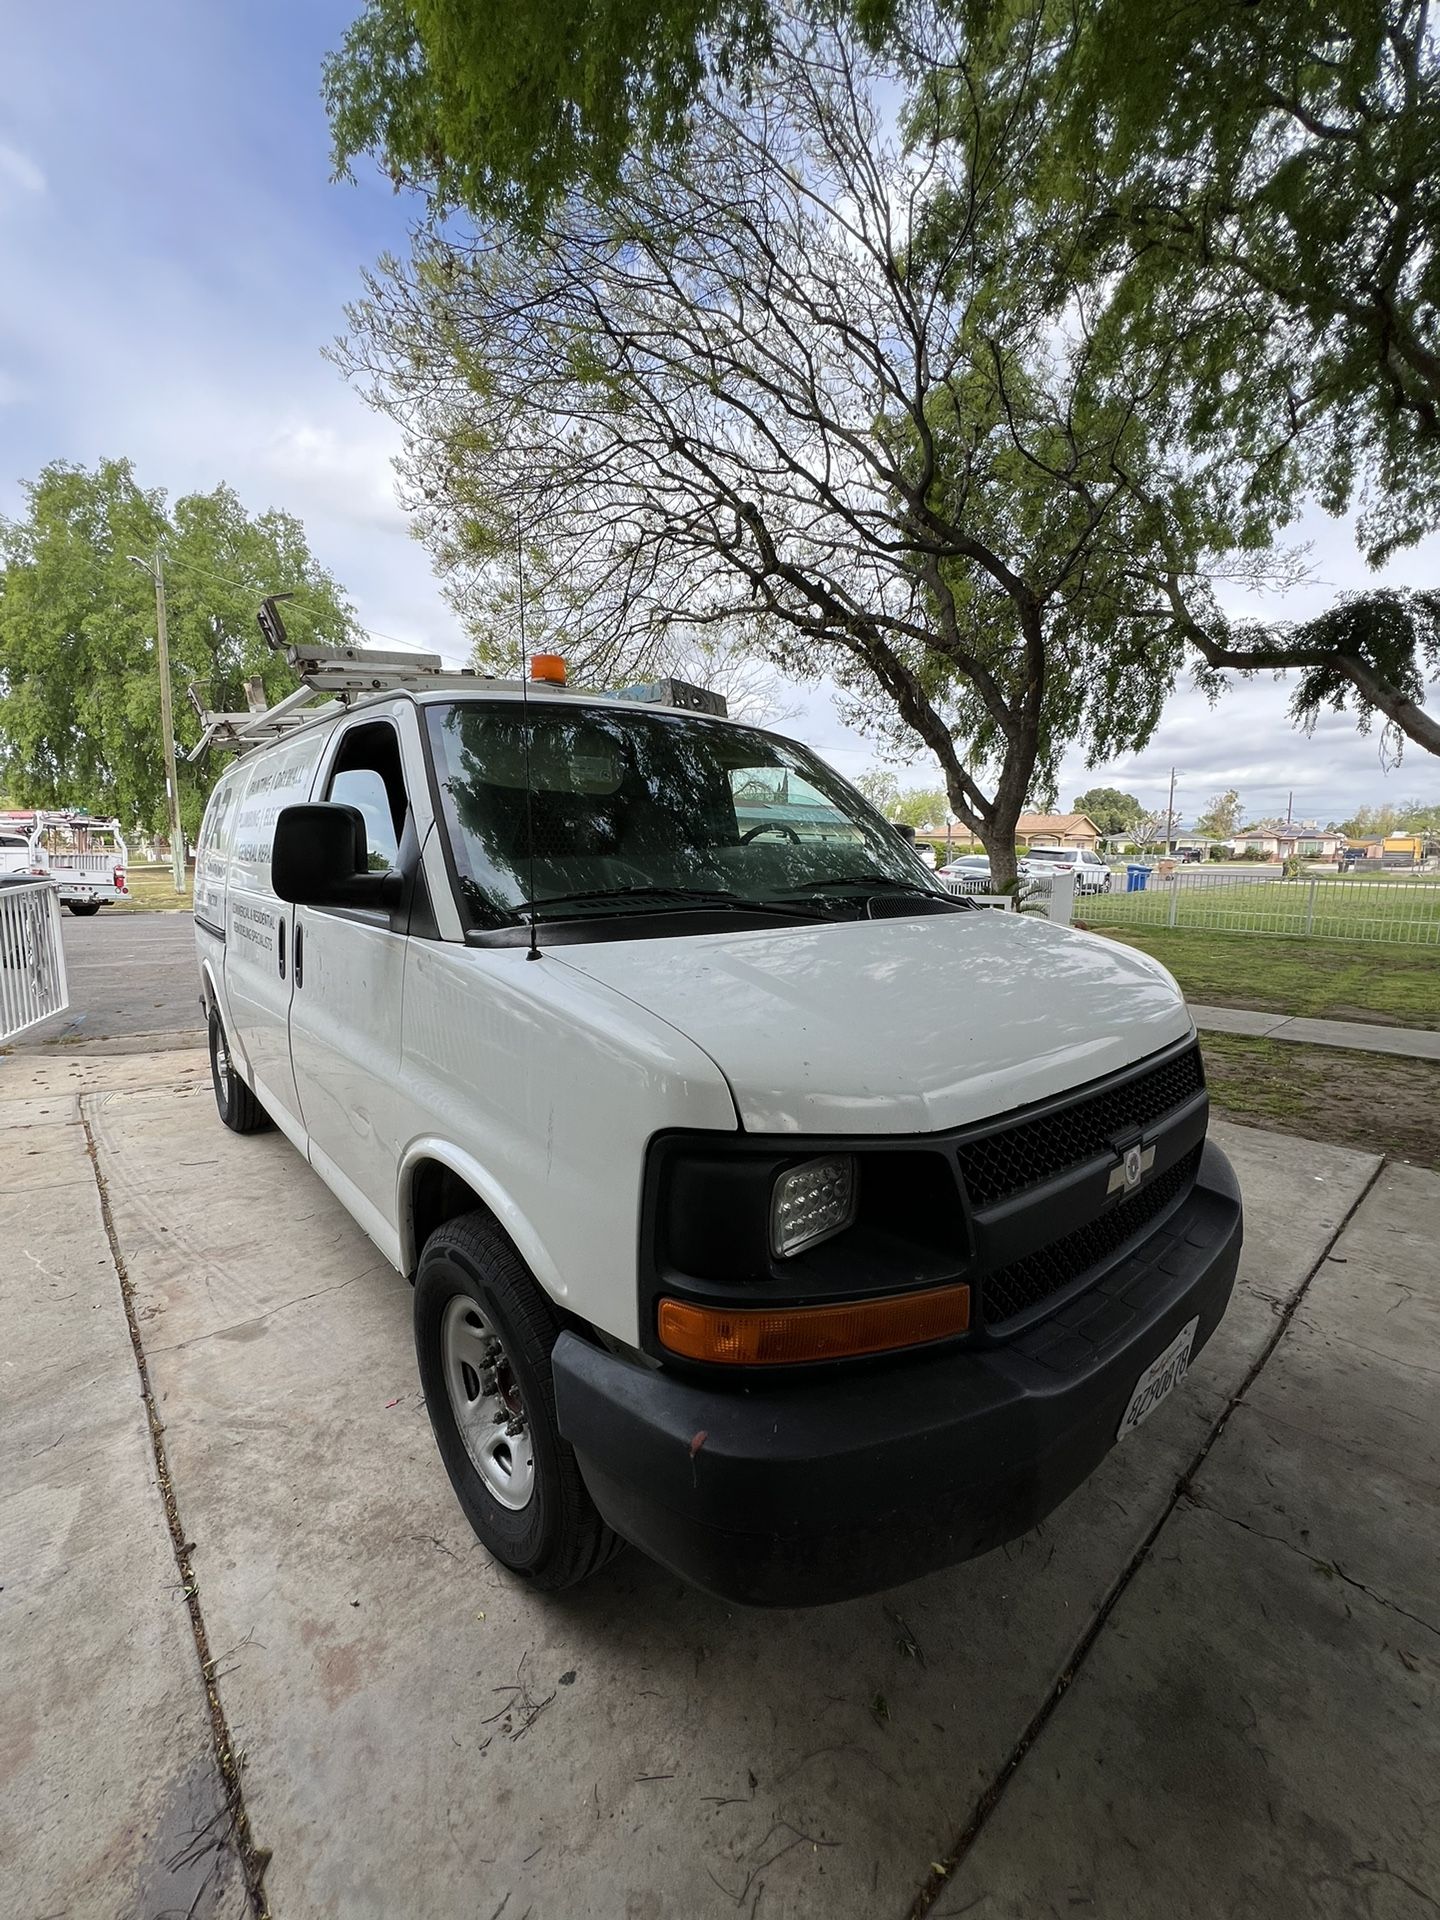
<point>346,1031</point>
<point>259,929</point>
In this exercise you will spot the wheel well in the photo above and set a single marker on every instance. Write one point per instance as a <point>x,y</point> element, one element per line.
<point>438,1194</point>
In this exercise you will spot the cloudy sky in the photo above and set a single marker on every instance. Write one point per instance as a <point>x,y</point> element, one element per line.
<point>173,257</point>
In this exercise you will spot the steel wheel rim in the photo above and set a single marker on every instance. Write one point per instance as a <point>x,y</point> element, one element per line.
<point>224,1072</point>
<point>486,1402</point>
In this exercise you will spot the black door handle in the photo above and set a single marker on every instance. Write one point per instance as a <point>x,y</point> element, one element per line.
<point>282,949</point>
<point>299,956</point>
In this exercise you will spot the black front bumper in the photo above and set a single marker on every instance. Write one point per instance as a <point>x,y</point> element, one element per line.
<point>867,1475</point>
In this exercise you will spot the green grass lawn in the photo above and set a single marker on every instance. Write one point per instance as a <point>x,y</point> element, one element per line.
<point>1344,980</point>
<point>1367,1100</point>
<point>1388,910</point>
<point>150,888</point>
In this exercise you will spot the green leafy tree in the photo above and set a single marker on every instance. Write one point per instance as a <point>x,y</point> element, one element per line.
<point>1375,820</point>
<point>1221,819</point>
<point>882,790</point>
<point>79,697</point>
<point>501,108</point>
<point>1262,190</point>
<point>1110,809</point>
<point>1271,180</point>
<point>768,390</point>
<point>1255,203</point>
<point>923,807</point>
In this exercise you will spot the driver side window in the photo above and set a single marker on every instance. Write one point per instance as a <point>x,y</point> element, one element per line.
<point>367,774</point>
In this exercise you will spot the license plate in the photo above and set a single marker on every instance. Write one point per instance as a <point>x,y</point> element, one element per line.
<point>1161,1377</point>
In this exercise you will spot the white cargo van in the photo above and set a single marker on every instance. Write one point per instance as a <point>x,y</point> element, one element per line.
<point>766,1205</point>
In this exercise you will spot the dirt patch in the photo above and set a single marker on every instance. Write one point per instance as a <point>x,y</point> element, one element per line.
<point>1376,1102</point>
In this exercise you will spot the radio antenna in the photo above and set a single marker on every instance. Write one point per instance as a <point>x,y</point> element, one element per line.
<point>534,949</point>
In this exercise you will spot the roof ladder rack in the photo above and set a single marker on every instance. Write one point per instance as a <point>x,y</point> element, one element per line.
<point>345,673</point>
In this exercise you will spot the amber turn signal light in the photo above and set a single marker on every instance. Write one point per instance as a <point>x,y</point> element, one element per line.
<point>786,1336</point>
<point>548,666</point>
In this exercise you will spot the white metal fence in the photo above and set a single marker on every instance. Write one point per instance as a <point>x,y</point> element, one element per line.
<point>32,958</point>
<point>1051,893</point>
<point>1398,908</point>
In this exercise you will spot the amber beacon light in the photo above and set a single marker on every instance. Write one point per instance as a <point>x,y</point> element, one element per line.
<point>789,1336</point>
<point>549,667</point>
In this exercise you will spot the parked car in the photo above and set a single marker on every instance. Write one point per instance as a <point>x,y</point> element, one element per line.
<point>976,866</point>
<point>1090,871</point>
<point>766,1205</point>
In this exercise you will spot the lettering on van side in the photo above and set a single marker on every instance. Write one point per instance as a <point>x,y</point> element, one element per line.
<point>255,924</point>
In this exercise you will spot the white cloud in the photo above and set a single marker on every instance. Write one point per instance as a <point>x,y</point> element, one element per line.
<point>19,174</point>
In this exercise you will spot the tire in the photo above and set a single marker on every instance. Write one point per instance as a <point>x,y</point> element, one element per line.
<point>234,1101</point>
<point>484,1333</point>
<point>82,909</point>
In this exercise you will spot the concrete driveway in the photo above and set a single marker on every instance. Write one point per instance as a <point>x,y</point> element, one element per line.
<point>1210,1685</point>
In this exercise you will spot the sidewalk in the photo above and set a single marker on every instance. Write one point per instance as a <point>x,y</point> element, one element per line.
<point>111,1801</point>
<point>1210,1684</point>
<point>1411,1043</point>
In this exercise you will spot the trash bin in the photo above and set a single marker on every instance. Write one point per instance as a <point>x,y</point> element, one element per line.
<point>1135,879</point>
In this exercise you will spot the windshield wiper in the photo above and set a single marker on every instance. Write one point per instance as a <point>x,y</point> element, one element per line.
<point>718,897</point>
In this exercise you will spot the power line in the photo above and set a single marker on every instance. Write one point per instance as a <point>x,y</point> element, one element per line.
<point>298,599</point>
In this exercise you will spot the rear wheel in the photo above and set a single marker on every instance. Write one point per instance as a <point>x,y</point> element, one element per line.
<point>234,1101</point>
<point>484,1333</point>
<point>83,908</point>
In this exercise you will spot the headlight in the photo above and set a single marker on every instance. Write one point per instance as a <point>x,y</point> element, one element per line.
<point>811,1202</point>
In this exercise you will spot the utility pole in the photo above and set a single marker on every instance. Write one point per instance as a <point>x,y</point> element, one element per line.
<point>167,719</point>
<point>1170,813</point>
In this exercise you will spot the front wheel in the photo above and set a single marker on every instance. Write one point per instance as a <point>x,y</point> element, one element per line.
<point>82,909</point>
<point>234,1101</point>
<point>484,1333</point>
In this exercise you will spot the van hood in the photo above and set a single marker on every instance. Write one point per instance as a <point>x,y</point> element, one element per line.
<point>897,1026</point>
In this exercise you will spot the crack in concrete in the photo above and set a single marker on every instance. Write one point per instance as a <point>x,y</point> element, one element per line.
<point>1329,1567</point>
<point>942,1871</point>
<point>253,1859</point>
<point>1359,1346</point>
<point>269,1313</point>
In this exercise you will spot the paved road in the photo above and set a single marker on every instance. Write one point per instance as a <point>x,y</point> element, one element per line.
<point>129,974</point>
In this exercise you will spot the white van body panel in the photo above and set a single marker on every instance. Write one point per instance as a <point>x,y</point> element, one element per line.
<point>542,1089</point>
<point>832,1029</point>
<point>259,928</point>
<point>345,1019</point>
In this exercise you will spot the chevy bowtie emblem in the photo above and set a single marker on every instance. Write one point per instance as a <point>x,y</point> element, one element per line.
<point>1135,1162</point>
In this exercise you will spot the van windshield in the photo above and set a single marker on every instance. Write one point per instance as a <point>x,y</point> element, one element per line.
<point>641,812</point>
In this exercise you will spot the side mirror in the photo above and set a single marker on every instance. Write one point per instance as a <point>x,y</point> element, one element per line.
<point>906,832</point>
<point>320,859</point>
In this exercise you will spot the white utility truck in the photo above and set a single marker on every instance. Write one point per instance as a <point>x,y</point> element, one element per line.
<point>83,853</point>
<point>766,1205</point>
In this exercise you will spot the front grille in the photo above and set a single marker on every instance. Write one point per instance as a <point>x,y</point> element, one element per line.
<point>1016,1289</point>
<point>1016,1157</point>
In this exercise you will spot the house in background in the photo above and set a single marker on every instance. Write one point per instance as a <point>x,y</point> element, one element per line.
<point>1290,840</point>
<point>1038,830</point>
